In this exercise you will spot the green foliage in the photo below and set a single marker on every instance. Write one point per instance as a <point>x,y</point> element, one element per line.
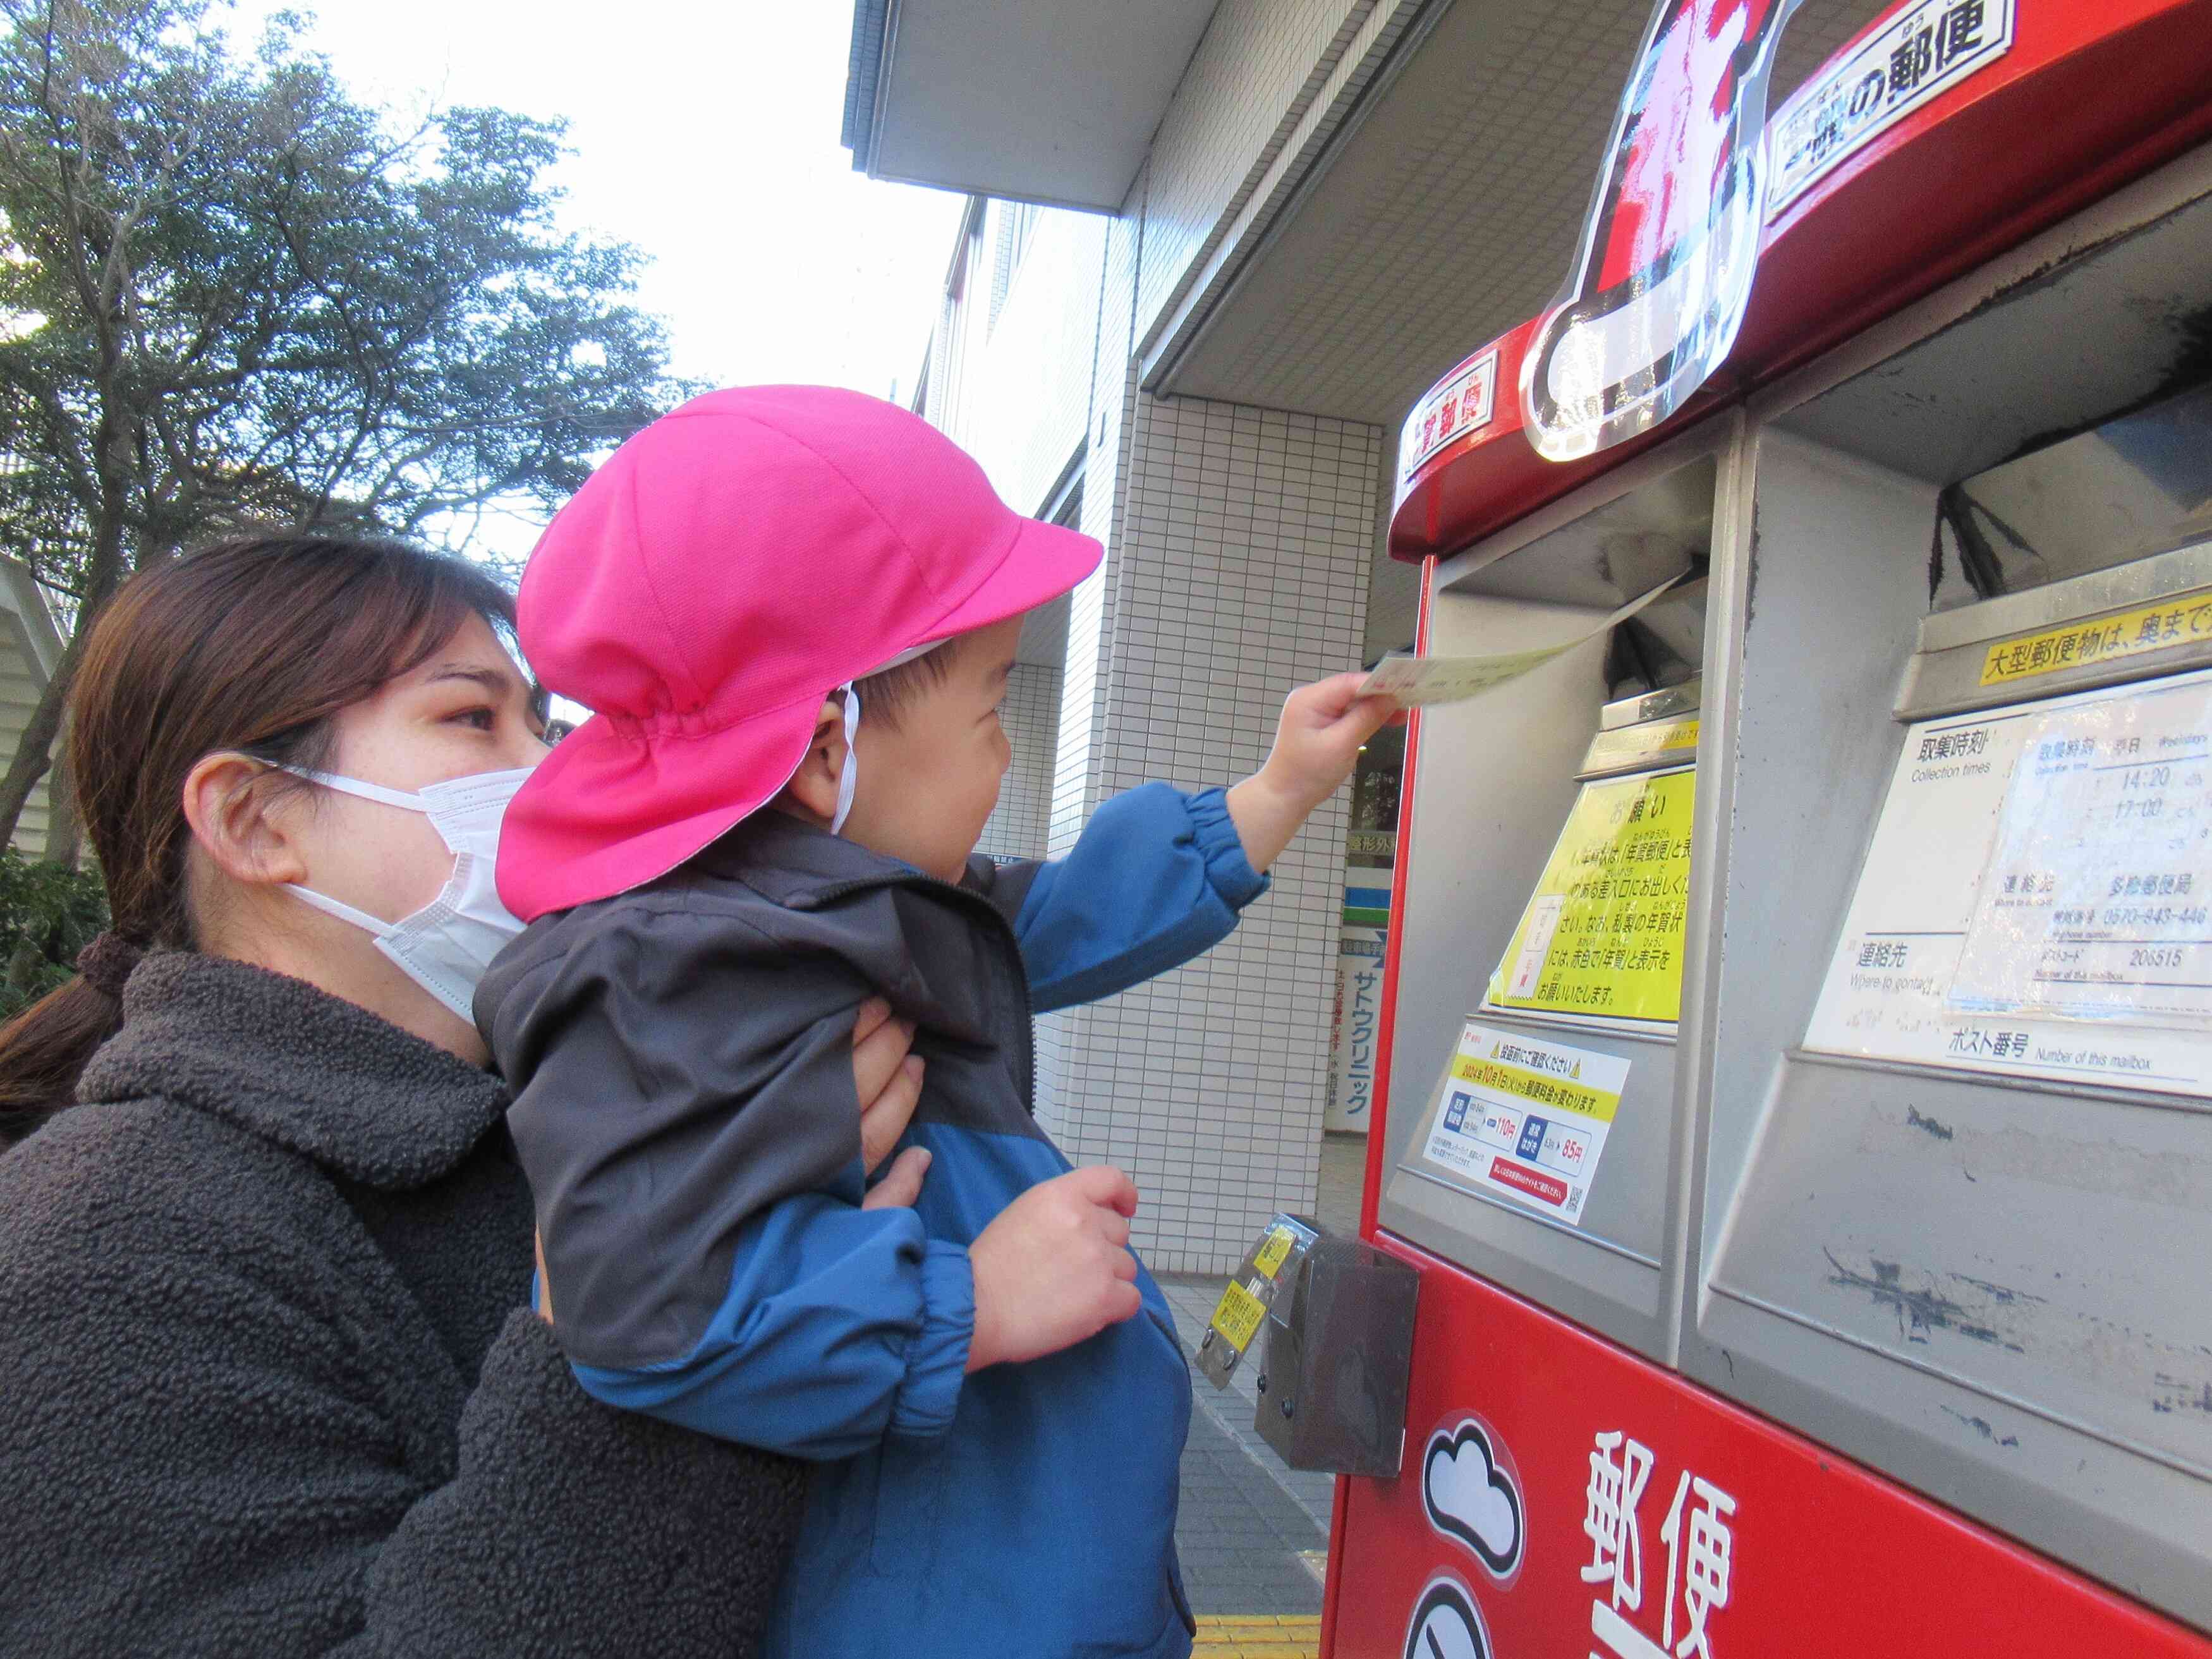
<point>230,293</point>
<point>48,912</point>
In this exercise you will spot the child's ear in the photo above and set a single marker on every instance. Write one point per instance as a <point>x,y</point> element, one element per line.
<point>812,790</point>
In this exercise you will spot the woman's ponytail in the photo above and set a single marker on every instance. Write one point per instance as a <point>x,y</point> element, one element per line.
<point>44,1048</point>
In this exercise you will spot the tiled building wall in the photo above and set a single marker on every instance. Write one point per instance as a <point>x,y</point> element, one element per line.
<point>1241,571</point>
<point>1240,543</point>
<point>1020,826</point>
<point>1248,77</point>
<point>1061,1038</point>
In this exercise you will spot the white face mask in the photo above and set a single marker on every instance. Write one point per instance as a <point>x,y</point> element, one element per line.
<point>445,946</point>
<point>848,774</point>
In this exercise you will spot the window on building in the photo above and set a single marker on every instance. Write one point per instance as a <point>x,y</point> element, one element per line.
<point>1068,510</point>
<point>1016,225</point>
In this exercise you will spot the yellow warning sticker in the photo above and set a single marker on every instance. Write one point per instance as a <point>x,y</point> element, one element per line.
<point>1274,1251</point>
<point>1499,1076</point>
<point>1238,1315</point>
<point>1602,934</point>
<point>1649,741</point>
<point>1526,1118</point>
<point>2130,633</point>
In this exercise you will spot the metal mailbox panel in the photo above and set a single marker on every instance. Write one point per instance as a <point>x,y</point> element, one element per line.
<point>1837,585</point>
<point>2029,1264</point>
<point>1495,780</point>
<point>1990,1287</point>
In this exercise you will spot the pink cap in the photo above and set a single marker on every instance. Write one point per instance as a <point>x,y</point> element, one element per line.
<point>723,572</point>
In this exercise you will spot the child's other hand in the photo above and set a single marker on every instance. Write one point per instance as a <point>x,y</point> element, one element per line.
<point>1054,1269</point>
<point>1316,742</point>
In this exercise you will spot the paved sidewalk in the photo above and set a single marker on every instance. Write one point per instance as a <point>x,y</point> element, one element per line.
<point>1233,1409</point>
<point>1245,1543</point>
<point>1253,1534</point>
<point>1343,1174</point>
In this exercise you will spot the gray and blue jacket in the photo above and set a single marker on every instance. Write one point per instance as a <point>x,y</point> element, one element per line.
<point>685,1109</point>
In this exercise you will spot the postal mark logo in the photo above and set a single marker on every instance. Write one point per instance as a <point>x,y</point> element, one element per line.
<point>1472,1499</point>
<point>1445,1625</point>
<point>1663,271</point>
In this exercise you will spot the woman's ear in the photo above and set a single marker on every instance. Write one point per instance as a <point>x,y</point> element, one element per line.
<point>240,823</point>
<point>812,792</point>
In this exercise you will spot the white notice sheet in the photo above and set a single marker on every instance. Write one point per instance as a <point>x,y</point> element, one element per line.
<point>2094,903</point>
<point>1527,1118</point>
<point>2034,900</point>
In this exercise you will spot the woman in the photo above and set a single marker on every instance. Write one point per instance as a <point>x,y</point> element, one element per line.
<point>271,1383</point>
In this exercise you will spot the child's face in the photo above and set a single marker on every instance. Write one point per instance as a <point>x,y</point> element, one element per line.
<point>928,783</point>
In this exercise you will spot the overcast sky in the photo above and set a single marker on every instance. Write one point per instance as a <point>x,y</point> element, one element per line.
<point>706,136</point>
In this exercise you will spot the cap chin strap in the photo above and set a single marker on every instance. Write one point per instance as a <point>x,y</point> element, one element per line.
<point>848,774</point>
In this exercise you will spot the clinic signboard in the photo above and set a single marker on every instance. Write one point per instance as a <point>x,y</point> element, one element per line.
<point>1357,1019</point>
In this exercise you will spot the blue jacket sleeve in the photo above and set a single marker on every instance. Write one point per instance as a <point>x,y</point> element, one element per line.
<point>1157,878</point>
<point>817,1351</point>
<point>685,1111</point>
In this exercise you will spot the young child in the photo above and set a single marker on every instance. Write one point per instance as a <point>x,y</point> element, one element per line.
<point>794,611</point>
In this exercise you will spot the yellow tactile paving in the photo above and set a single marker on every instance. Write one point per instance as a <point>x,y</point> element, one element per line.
<point>1259,1636</point>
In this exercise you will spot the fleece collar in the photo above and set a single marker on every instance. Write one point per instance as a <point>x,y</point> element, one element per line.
<point>310,1072</point>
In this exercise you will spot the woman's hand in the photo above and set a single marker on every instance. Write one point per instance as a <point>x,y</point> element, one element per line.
<point>889,1082</point>
<point>545,1285</point>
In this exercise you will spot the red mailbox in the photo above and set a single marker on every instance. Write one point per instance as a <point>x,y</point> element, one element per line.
<point>1796,1078</point>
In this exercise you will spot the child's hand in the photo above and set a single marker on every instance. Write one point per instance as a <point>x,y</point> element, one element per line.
<point>1316,742</point>
<point>1054,1267</point>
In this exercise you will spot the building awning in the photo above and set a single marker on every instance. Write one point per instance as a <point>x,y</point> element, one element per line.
<point>1446,212</point>
<point>1029,101</point>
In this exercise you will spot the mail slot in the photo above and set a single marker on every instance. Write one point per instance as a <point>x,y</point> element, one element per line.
<point>1543,952</point>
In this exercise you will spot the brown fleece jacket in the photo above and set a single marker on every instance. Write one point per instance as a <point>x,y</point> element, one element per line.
<point>270,1386</point>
